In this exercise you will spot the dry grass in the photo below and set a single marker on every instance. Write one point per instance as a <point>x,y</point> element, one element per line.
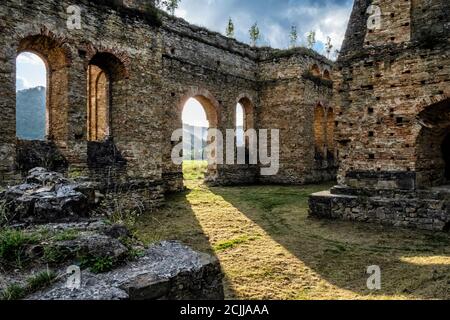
<point>270,249</point>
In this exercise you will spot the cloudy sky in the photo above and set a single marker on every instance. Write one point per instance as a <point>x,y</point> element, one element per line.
<point>31,71</point>
<point>274,17</point>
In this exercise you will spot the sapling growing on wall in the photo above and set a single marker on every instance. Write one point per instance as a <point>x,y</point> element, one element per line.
<point>255,34</point>
<point>230,29</point>
<point>311,39</point>
<point>293,37</point>
<point>169,5</point>
<point>328,47</point>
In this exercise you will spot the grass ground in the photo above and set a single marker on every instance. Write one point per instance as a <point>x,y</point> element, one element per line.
<point>269,248</point>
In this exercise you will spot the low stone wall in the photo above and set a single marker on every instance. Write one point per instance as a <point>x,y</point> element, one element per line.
<point>428,210</point>
<point>167,271</point>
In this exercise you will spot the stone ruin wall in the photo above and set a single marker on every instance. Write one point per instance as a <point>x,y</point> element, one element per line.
<point>392,98</point>
<point>288,100</point>
<point>155,64</point>
<point>383,81</point>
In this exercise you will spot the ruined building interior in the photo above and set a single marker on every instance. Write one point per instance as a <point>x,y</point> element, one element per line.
<point>117,87</point>
<point>116,91</point>
<point>391,95</point>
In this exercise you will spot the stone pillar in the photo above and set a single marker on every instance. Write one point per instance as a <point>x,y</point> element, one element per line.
<point>76,151</point>
<point>8,110</point>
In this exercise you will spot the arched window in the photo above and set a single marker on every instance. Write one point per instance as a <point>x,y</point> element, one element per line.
<point>326,75</point>
<point>248,111</point>
<point>99,104</point>
<point>104,78</point>
<point>31,97</point>
<point>240,126</point>
<point>315,70</point>
<point>319,130</point>
<point>56,59</point>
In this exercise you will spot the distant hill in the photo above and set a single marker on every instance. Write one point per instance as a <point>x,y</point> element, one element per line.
<point>30,114</point>
<point>199,135</point>
<point>192,137</point>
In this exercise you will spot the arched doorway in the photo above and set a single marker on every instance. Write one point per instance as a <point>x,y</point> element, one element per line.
<point>31,97</point>
<point>200,119</point>
<point>433,145</point>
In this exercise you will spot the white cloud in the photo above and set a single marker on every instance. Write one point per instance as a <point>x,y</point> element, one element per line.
<point>275,18</point>
<point>30,71</point>
<point>30,58</point>
<point>21,84</point>
<point>194,114</point>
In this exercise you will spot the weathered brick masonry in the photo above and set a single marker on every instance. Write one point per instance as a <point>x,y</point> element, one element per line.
<point>150,64</point>
<point>392,98</point>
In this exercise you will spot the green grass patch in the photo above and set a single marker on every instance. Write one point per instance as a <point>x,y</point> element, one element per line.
<point>41,280</point>
<point>13,244</point>
<point>97,264</point>
<point>66,235</point>
<point>14,292</point>
<point>35,283</point>
<point>55,254</point>
<point>194,170</point>
<point>225,245</point>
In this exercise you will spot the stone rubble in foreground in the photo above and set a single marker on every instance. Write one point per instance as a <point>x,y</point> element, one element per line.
<point>168,270</point>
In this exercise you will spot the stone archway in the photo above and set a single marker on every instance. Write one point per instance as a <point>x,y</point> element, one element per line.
<point>105,73</point>
<point>249,111</point>
<point>433,145</point>
<point>57,59</point>
<point>211,107</point>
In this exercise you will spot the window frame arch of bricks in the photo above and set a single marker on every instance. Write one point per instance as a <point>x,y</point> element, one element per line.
<point>432,143</point>
<point>315,70</point>
<point>248,108</point>
<point>57,60</point>
<point>105,76</point>
<point>211,107</point>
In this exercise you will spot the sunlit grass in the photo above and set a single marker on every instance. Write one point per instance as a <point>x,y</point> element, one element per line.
<point>269,248</point>
<point>194,169</point>
<point>428,260</point>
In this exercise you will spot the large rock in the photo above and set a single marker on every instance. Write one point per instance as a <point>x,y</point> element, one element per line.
<point>47,197</point>
<point>168,270</point>
<point>93,245</point>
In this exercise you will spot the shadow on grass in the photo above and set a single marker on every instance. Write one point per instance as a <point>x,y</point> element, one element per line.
<point>414,264</point>
<point>176,221</point>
